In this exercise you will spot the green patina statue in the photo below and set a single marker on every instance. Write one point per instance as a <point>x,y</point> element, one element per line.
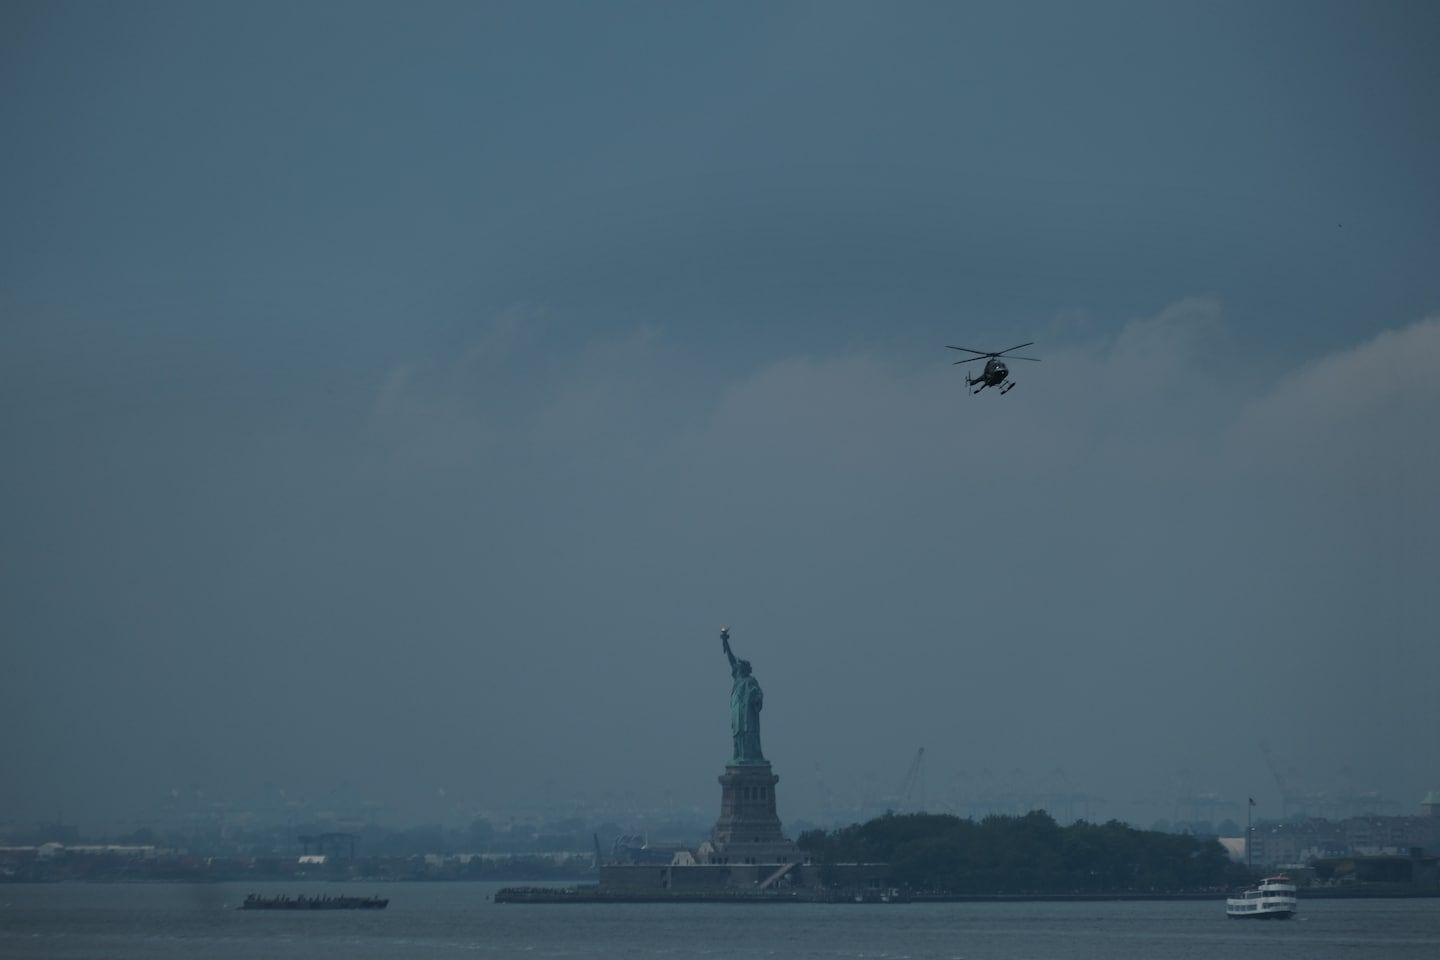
<point>745,703</point>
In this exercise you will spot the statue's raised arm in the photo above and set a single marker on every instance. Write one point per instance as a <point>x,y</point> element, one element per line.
<point>725,643</point>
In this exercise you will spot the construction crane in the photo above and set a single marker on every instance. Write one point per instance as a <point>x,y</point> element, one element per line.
<point>1353,802</point>
<point>1291,800</point>
<point>1200,806</point>
<point>913,785</point>
<point>1059,797</point>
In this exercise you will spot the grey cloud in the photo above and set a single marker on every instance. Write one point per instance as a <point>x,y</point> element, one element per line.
<point>506,577</point>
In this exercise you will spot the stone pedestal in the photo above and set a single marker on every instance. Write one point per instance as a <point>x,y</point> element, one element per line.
<point>748,830</point>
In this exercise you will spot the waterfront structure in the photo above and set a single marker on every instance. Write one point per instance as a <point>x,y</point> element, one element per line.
<point>748,830</point>
<point>747,849</point>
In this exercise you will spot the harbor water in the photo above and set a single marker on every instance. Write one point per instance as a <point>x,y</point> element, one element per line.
<point>445,920</point>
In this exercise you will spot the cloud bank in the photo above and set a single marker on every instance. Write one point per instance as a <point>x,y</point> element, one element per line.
<point>502,571</point>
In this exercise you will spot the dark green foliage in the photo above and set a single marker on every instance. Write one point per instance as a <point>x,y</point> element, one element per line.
<point>1029,854</point>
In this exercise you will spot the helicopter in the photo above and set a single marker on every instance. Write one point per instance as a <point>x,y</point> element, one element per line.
<point>995,372</point>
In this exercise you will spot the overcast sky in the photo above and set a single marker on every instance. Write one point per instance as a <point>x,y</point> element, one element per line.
<point>403,395</point>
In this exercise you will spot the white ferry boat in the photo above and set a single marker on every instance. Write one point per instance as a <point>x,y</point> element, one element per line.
<point>1274,899</point>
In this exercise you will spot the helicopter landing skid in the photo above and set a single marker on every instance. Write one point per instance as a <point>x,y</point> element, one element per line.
<point>1007,388</point>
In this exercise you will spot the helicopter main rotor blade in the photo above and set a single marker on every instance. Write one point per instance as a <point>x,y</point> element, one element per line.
<point>1036,359</point>
<point>981,352</point>
<point>1016,347</point>
<point>969,360</point>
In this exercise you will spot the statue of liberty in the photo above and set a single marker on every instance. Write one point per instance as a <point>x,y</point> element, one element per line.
<point>745,703</point>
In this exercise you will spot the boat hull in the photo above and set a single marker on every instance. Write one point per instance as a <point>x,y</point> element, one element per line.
<point>1284,914</point>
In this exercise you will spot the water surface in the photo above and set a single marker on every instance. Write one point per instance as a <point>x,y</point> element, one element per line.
<point>445,920</point>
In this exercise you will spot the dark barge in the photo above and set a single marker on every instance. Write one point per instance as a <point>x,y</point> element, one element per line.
<point>253,902</point>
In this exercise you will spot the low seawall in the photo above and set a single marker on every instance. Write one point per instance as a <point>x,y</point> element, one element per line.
<point>593,894</point>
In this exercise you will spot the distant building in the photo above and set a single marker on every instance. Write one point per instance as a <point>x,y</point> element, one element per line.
<point>1304,840</point>
<point>49,851</point>
<point>1235,846</point>
<point>1298,841</point>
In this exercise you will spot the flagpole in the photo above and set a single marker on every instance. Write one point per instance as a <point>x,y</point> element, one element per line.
<point>1248,807</point>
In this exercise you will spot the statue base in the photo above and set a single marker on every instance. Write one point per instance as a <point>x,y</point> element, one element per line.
<point>748,830</point>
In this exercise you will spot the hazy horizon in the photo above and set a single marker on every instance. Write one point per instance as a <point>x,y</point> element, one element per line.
<point>397,401</point>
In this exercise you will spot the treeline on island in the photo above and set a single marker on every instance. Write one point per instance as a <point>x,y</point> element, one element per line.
<point>1030,854</point>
